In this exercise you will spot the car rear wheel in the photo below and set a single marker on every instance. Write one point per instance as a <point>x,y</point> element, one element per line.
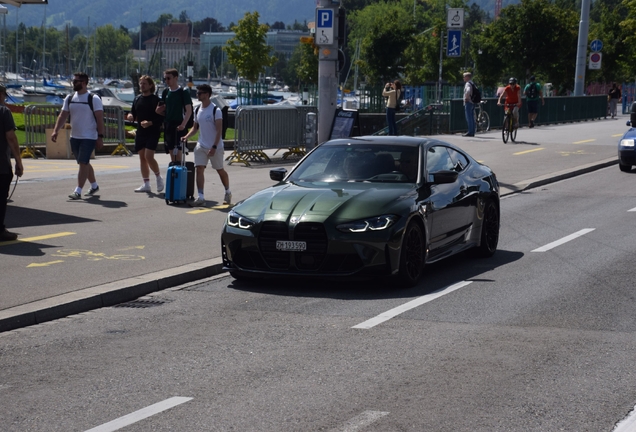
<point>489,231</point>
<point>625,168</point>
<point>412,255</point>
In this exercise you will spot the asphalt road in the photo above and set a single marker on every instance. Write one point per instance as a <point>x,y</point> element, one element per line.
<point>74,256</point>
<point>538,338</point>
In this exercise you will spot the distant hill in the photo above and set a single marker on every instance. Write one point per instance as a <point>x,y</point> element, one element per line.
<point>129,14</point>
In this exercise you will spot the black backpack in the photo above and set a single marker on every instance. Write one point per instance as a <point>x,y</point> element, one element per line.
<point>532,92</point>
<point>182,91</point>
<point>475,96</point>
<point>399,97</point>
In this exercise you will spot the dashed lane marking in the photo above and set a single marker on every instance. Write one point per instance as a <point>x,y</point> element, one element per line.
<point>361,421</point>
<point>617,135</point>
<point>385,316</point>
<point>528,151</point>
<point>584,141</point>
<point>46,264</point>
<point>141,414</point>
<point>632,210</point>
<point>38,238</point>
<point>564,240</point>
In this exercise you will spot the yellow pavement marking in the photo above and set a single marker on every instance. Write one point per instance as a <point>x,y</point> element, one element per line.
<point>578,152</point>
<point>132,247</point>
<point>38,238</point>
<point>528,151</point>
<point>38,168</point>
<point>209,209</point>
<point>617,135</point>
<point>46,264</point>
<point>584,141</point>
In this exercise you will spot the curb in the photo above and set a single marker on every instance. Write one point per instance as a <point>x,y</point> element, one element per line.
<point>105,295</point>
<point>558,176</point>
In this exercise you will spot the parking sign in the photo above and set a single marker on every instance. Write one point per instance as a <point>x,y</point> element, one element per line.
<point>324,27</point>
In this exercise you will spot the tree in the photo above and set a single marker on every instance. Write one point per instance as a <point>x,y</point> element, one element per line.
<point>248,50</point>
<point>535,37</point>
<point>112,50</point>
<point>383,40</point>
<point>278,25</point>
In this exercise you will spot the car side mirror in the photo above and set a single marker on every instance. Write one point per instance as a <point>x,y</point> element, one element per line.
<point>444,177</point>
<point>628,123</point>
<point>277,174</point>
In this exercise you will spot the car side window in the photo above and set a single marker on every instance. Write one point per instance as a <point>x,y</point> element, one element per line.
<point>460,161</point>
<point>438,159</point>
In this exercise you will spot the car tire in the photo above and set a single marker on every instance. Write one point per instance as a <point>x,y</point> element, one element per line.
<point>412,255</point>
<point>624,168</point>
<point>489,238</point>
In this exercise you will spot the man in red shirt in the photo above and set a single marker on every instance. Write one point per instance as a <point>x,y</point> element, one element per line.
<point>512,93</point>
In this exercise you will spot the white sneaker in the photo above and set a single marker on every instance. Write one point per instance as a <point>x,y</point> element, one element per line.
<point>199,202</point>
<point>160,184</point>
<point>227,199</point>
<point>143,188</point>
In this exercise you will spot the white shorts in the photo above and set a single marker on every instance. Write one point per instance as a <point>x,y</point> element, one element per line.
<point>201,157</point>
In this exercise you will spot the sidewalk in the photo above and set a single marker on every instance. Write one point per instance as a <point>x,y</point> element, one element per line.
<point>77,256</point>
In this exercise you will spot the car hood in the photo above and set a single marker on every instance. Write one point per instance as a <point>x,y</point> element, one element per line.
<point>340,201</point>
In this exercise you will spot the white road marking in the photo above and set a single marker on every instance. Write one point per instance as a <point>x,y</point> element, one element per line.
<point>634,209</point>
<point>140,415</point>
<point>361,421</point>
<point>564,240</point>
<point>385,316</point>
<point>628,424</point>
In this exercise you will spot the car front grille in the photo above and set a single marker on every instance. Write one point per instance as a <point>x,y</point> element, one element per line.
<point>316,237</point>
<point>269,233</point>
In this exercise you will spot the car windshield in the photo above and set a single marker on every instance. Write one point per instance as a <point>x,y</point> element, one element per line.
<point>359,163</point>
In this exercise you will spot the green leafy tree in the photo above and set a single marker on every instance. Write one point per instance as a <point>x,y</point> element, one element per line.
<point>535,37</point>
<point>384,31</point>
<point>248,50</point>
<point>617,55</point>
<point>112,50</point>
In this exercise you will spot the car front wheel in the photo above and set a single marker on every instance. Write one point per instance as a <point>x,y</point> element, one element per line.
<point>624,168</point>
<point>412,255</point>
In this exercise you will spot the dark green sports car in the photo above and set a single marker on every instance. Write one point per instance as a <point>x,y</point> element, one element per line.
<point>365,206</point>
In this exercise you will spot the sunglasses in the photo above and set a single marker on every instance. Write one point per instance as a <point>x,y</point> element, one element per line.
<point>77,81</point>
<point>167,78</point>
<point>200,93</point>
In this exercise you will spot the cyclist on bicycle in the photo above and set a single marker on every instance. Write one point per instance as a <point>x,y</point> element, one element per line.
<point>512,92</point>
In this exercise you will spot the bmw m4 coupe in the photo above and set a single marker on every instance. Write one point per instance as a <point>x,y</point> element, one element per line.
<point>365,207</point>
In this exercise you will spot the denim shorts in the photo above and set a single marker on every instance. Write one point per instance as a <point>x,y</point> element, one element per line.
<point>82,149</point>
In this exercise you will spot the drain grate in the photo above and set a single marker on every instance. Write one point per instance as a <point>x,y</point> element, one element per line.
<point>140,304</point>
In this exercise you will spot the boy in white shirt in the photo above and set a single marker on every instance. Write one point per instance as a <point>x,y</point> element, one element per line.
<point>208,120</point>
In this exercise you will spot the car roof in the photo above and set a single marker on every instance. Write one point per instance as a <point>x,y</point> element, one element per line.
<point>408,141</point>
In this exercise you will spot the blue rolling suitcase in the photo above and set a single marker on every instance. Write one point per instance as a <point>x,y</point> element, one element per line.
<point>176,182</point>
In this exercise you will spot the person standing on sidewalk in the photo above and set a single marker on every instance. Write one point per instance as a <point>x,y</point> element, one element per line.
<point>392,92</point>
<point>208,120</point>
<point>614,96</point>
<point>533,93</point>
<point>87,130</point>
<point>176,107</point>
<point>8,146</point>
<point>148,132</point>
<point>469,106</point>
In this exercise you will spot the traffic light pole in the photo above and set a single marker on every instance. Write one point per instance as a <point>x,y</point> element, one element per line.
<point>326,39</point>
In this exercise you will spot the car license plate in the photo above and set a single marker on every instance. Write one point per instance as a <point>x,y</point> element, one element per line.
<point>291,246</point>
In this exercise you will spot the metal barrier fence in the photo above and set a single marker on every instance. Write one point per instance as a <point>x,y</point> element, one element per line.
<point>39,121</point>
<point>258,128</point>
<point>558,109</point>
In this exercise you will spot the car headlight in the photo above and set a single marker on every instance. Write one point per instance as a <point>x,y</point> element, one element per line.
<point>238,221</point>
<point>627,143</point>
<point>377,223</point>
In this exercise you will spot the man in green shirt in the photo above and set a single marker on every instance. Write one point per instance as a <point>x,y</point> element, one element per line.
<point>533,93</point>
<point>176,107</point>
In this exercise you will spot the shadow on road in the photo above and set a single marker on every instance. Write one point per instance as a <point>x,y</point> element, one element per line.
<point>19,217</point>
<point>436,276</point>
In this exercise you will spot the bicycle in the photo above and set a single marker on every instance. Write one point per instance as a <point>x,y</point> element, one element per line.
<point>508,130</point>
<point>482,119</point>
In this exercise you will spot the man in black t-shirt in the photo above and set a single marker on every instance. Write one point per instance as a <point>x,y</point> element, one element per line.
<point>8,146</point>
<point>148,131</point>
